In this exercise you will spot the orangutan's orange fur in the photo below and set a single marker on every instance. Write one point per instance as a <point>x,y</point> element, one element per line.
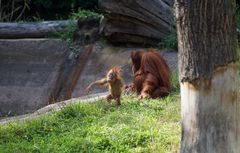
<point>114,82</point>
<point>151,74</point>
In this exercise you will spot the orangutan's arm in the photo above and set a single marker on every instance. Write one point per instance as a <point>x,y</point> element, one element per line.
<point>101,82</point>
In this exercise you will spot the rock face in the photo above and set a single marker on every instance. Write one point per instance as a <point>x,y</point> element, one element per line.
<point>29,70</point>
<point>87,31</point>
<point>104,57</point>
<point>100,61</point>
<point>38,72</point>
<point>70,73</point>
<point>136,21</point>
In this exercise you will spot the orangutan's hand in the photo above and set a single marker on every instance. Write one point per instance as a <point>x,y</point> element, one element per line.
<point>144,96</point>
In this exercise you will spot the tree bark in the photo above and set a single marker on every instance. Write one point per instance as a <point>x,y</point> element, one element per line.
<point>32,29</point>
<point>208,76</point>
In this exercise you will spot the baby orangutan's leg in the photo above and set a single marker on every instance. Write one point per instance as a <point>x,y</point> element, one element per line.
<point>109,97</point>
<point>118,99</point>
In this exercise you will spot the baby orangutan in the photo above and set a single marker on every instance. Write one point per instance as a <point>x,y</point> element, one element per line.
<point>114,82</point>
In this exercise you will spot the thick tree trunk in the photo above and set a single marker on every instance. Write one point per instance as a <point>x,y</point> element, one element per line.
<point>208,76</point>
<point>31,29</point>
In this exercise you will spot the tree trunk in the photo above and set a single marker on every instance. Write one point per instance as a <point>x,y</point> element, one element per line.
<point>208,76</point>
<point>32,29</point>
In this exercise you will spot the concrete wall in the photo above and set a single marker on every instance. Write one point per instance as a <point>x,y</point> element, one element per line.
<point>28,73</point>
<point>37,72</point>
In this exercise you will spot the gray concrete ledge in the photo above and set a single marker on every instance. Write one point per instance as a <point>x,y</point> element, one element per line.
<point>53,108</point>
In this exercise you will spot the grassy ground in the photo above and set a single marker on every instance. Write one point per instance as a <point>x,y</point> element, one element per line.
<point>136,126</point>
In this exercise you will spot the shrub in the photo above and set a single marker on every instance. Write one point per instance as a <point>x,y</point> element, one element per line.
<point>13,10</point>
<point>169,41</point>
<point>83,13</point>
<point>30,10</point>
<point>67,35</point>
<point>55,9</point>
<point>56,4</point>
<point>238,16</point>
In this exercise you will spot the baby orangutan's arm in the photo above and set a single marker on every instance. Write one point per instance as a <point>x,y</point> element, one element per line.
<point>101,82</point>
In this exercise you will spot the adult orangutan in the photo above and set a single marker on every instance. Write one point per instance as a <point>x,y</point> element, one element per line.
<point>151,74</point>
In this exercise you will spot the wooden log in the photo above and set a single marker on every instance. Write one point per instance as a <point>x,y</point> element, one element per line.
<point>136,21</point>
<point>32,29</point>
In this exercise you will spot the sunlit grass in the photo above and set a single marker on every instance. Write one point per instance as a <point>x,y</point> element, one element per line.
<point>136,126</point>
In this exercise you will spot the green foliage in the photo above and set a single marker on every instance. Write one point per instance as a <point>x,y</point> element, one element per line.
<point>175,83</point>
<point>238,16</point>
<point>89,4</point>
<point>67,36</point>
<point>238,61</point>
<point>169,41</point>
<point>84,13</point>
<point>238,28</point>
<point>69,4</point>
<point>55,9</point>
<point>13,10</point>
<point>30,10</point>
<point>136,126</point>
<point>238,67</point>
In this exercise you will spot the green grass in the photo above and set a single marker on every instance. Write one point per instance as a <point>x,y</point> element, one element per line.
<point>84,13</point>
<point>169,41</point>
<point>136,126</point>
<point>145,126</point>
